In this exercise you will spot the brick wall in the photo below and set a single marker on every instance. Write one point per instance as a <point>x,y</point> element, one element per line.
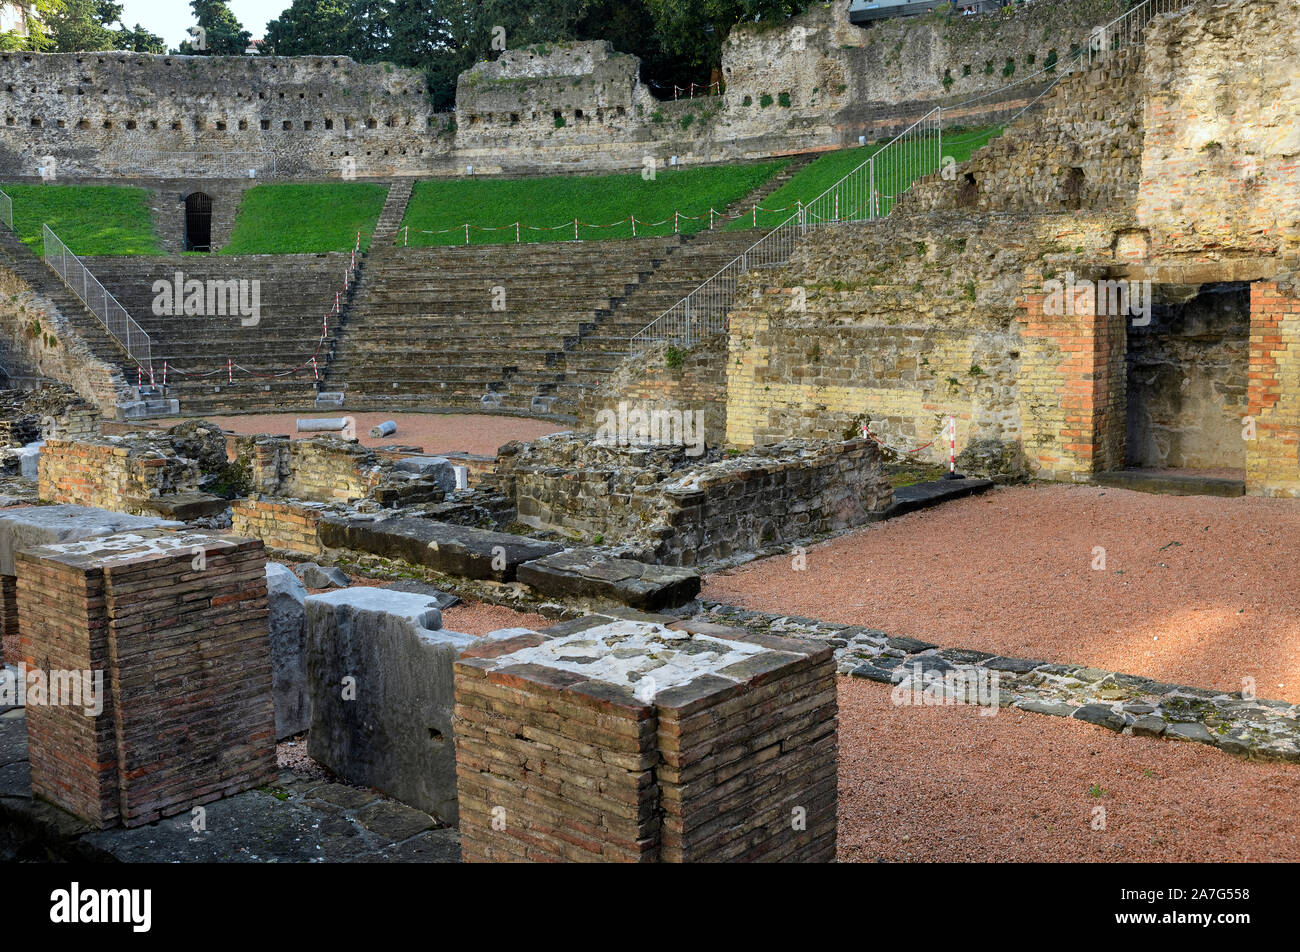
<point>285,526</point>
<point>1273,457</point>
<point>177,624</point>
<point>113,473</point>
<point>736,761</point>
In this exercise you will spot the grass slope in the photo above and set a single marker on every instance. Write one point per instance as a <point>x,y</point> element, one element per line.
<point>554,202</point>
<point>891,174</point>
<point>305,219</point>
<point>91,219</point>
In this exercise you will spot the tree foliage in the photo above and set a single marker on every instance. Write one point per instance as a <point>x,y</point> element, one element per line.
<point>223,34</point>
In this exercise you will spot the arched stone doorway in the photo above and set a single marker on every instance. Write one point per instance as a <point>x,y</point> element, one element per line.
<point>198,222</point>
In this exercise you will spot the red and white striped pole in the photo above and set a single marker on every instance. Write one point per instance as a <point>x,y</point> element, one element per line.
<point>314,369</point>
<point>952,450</point>
<point>230,369</point>
<point>164,373</point>
<point>139,376</point>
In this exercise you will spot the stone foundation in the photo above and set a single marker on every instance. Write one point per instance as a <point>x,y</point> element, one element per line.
<point>117,473</point>
<point>176,627</point>
<point>283,525</point>
<point>681,511</point>
<point>625,741</point>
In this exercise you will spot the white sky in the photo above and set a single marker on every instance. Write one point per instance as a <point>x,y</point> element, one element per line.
<point>171,18</point>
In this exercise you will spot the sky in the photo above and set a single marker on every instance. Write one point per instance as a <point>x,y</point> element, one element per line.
<point>171,18</point>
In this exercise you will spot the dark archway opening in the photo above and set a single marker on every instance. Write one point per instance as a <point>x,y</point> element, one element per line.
<point>198,222</point>
<point>1072,189</point>
<point>968,195</point>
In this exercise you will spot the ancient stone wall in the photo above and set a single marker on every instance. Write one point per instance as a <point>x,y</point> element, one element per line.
<point>37,340</point>
<point>902,324</point>
<point>109,113</point>
<point>683,511</point>
<point>1221,171</point>
<point>648,384</point>
<point>813,82</point>
<point>320,470</point>
<point>116,473</point>
<point>1187,380</point>
<point>1083,150</point>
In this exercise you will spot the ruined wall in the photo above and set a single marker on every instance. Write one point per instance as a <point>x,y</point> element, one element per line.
<point>280,524</point>
<point>647,383</point>
<point>684,511</point>
<point>36,339</point>
<point>109,113</point>
<point>915,319</point>
<point>1221,171</point>
<point>114,473</point>
<point>813,82</point>
<point>322,469</point>
<point>1083,150</point>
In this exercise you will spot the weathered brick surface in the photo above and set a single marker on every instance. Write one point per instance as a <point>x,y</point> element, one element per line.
<point>1273,456</point>
<point>281,524</point>
<point>733,758</point>
<point>113,473</point>
<point>177,625</point>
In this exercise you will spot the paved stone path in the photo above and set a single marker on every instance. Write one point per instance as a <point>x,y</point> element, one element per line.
<point>295,820</point>
<point>1245,727</point>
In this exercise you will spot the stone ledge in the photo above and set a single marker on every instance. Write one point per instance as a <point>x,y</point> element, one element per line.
<point>1252,728</point>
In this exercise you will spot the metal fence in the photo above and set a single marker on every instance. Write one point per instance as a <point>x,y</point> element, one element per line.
<point>98,301</point>
<point>7,210</point>
<point>872,189</point>
<point>869,191</point>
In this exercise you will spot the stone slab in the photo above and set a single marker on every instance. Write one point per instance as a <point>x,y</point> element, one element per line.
<point>452,550</point>
<point>590,573</point>
<point>379,666</point>
<point>45,525</point>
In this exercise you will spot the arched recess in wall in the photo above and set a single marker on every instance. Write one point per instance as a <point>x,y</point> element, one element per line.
<point>198,222</point>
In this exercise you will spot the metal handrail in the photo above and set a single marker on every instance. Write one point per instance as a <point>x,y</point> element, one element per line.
<point>704,311</point>
<point>7,210</point>
<point>106,308</point>
<point>858,196</point>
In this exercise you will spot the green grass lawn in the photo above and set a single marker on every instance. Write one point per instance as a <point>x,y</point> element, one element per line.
<point>90,219</point>
<point>305,219</point>
<point>891,174</point>
<point>445,206</point>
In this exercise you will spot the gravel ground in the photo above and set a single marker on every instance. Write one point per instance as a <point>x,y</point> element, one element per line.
<point>475,433</point>
<point>944,784</point>
<point>1195,589</point>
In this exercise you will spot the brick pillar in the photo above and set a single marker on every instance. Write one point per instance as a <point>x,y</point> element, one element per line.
<point>568,748</point>
<point>176,626</point>
<point>1273,456</point>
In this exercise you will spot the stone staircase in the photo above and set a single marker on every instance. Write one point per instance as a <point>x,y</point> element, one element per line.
<point>28,266</point>
<point>295,293</point>
<point>744,206</point>
<point>390,219</point>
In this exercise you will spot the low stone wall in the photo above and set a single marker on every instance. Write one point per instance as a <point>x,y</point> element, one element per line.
<point>624,741</point>
<point>174,628</point>
<point>283,525</point>
<point>321,469</point>
<point>115,473</point>
<point>680,510</point>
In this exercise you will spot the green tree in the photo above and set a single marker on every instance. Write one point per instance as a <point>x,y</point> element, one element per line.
<point>222,33</point>
<point>139,40</point>
<point>77,26</point>
<point>369,32</point>
<point>311,28</point>
<point>693,30</point>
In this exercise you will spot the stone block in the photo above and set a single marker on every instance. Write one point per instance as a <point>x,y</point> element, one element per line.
<point>379,666</point>
<point>453,550</point>
<point>593,574</point>
<point>287,620</point>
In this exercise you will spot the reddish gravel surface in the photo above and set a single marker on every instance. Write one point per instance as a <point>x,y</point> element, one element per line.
<point>1196,590</point>
<point>435,432</point>
<point>479,618</point>
<point>946,784</point>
